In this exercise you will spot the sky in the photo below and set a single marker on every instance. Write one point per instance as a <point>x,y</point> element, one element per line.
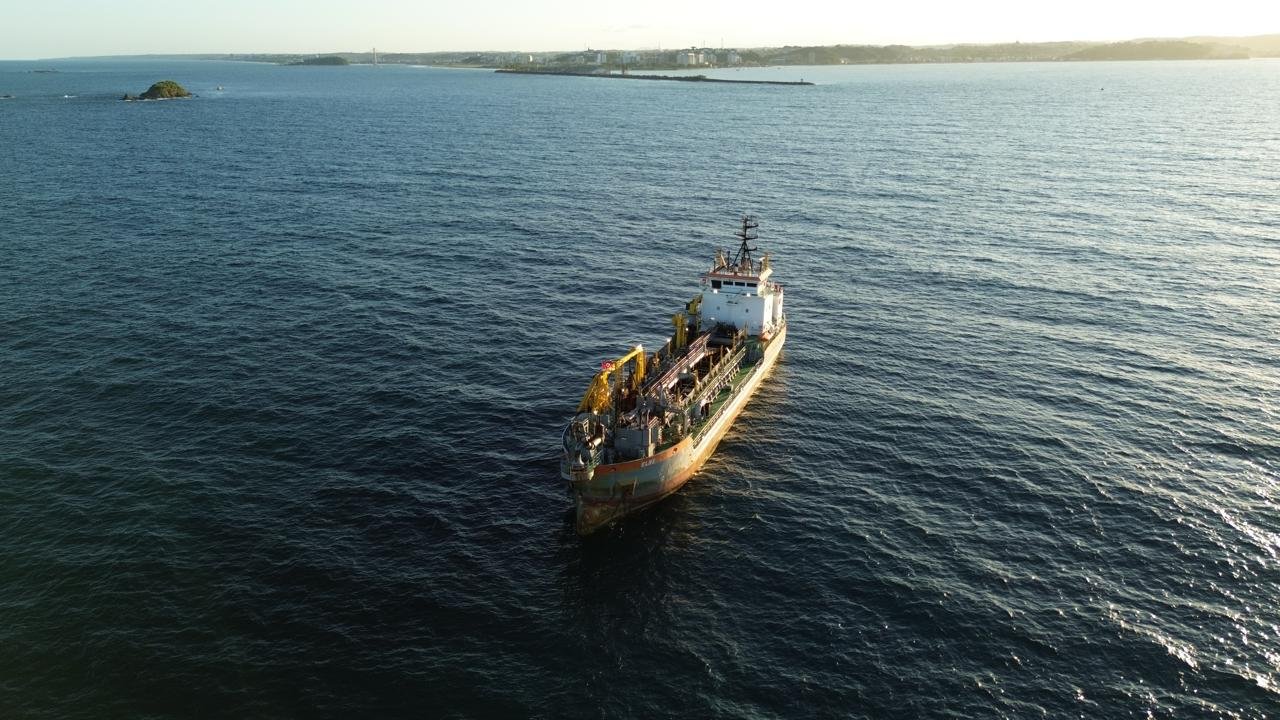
<point>62,28</point>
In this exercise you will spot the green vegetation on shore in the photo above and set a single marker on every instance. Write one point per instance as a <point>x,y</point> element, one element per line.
<point>325,60</point>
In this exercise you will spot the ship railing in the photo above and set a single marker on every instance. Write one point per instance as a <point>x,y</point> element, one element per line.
<point>725,367</point>
<point>566,442</point>
<point>731,367</point>
<point>593,460</point>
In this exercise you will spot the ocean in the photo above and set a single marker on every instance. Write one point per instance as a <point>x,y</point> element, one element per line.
<point>284,367</point>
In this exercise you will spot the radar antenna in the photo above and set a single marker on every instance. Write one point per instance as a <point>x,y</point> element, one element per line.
<point>742,260</point>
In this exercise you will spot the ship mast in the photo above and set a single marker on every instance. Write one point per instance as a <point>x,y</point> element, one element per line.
<point>742,259</point>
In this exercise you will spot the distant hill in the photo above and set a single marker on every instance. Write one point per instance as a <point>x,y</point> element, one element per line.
<point>1257,45</point>
<point>876,54</point>
<point>1160,50</point>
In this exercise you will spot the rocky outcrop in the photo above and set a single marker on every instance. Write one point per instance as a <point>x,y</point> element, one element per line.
<point>163,90</point>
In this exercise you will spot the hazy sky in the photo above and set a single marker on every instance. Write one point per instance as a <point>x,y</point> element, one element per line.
<point>55,28</point>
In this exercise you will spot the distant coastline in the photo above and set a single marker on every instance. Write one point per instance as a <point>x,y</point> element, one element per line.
<point>651,60</point>
<point>613,60</point>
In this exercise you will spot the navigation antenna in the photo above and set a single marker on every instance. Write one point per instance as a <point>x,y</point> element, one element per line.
<point>742,260</point>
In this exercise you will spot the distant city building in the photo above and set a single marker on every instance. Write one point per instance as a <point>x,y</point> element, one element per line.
<point>689,58</point>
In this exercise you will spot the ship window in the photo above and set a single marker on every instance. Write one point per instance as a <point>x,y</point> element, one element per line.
<point>715,284</point>
<point>739,284</point>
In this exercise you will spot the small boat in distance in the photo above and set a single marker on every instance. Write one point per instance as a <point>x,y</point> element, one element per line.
<point>648,422</point>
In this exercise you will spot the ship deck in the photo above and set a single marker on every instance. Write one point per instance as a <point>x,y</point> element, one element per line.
<point>723,399</point>
<point>717,405</point>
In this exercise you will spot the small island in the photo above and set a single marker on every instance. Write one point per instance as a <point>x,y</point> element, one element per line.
<point>163,90</point>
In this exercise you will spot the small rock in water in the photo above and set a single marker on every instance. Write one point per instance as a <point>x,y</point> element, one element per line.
<point>163,90</point>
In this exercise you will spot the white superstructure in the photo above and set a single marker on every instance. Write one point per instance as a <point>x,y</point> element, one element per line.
<point>739,292</point>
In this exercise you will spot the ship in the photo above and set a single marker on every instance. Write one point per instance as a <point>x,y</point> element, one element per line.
<point>648,421</point>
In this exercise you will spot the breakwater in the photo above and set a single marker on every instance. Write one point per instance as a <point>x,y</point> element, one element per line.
<point>678,78</point>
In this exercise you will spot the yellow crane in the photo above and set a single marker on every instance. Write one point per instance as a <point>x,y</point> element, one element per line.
<point>597,397</point>
<point>680,321</point>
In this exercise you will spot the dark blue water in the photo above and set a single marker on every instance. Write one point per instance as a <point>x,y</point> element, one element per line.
<point>283,370</point>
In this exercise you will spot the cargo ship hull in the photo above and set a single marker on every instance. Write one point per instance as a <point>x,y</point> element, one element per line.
<point>614,490</point>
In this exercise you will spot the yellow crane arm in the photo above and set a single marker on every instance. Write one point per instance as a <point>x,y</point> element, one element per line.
<point>597,397</point>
